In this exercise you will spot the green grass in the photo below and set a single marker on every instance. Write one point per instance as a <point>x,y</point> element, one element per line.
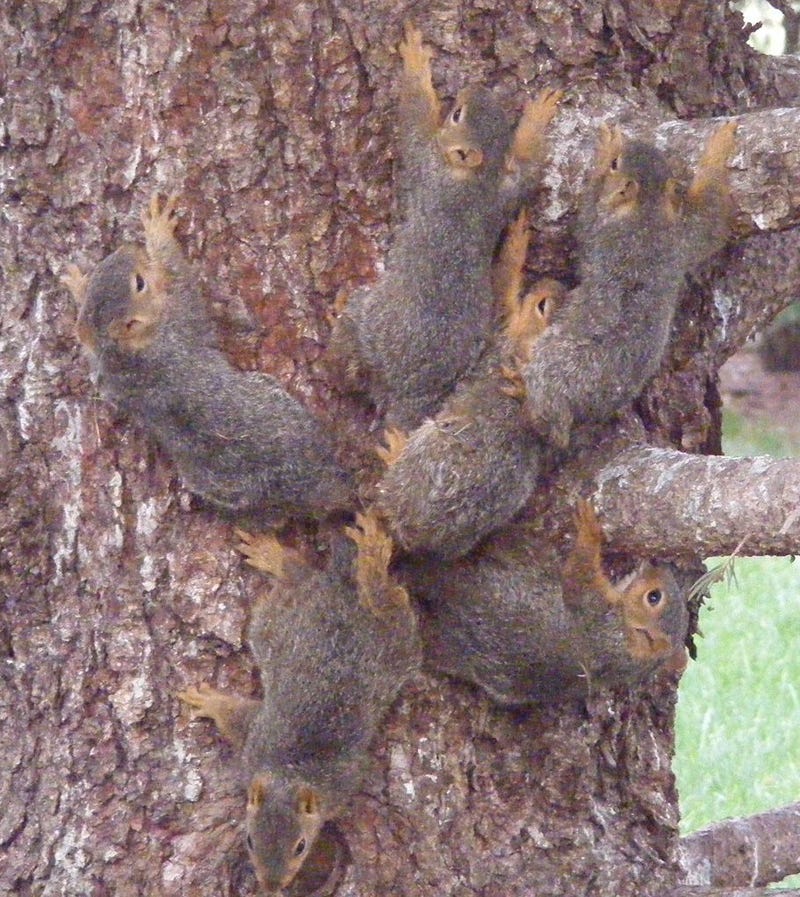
<point>738,722</point>
<point>741,439</point>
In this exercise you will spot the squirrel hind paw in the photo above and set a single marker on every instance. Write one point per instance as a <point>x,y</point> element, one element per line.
<point>263,551</point>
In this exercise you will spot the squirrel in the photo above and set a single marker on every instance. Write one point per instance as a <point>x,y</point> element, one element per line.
<point>334,649</point>
<point>639,234</point>
<point>529,627</point>
<point>411,337</point>
<point>468,470</point>
<point>239,440</point>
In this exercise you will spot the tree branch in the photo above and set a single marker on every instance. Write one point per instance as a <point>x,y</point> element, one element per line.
<point>727,892</point>
<point>766,167</point>
<point>761,278</point>
<point>699,504</point>
<point>782,75</point>
<point>791,24</point>
<point>756,850</point>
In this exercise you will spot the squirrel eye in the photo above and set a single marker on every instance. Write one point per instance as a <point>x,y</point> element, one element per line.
<point>455,115</point>
<point>542,306</point>
<point>653,597</point>
<point>300,847</point>
<point>249,842</point>
<point>140,284</point>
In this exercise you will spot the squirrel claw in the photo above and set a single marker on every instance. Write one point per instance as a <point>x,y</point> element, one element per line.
<point>262,551</point>
<point>376,590</point>
<point>416,56</point>
<point>160,221</point>
<point>720,147</point>
<point>527,143</point>
<point>198,699</point>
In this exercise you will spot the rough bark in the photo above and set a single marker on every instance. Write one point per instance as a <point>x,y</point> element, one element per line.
<point>744,852</point>
<point>754,501</point>
<point>275,123</point>
<point>728,892</point>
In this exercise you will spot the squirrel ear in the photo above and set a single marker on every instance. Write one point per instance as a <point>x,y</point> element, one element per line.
<point>308,801</point>
<point>259,785</point>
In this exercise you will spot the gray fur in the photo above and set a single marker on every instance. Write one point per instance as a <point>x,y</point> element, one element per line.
<point>498,619</point>
<point>239,439</point>
<point>425,323</point>
<point>464,473</point>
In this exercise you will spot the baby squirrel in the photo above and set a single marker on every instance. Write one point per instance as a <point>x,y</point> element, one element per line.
<point>529,628</point>
<point>238,438</point>
<point>334,648</point>
<point>469,469</point>
<point>409,339</point>
<point>638,235</point>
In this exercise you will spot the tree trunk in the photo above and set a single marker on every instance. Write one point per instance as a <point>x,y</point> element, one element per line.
<point>275,123</point>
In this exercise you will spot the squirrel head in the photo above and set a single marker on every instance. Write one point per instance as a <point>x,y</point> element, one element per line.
<point>631,175</point>
<point>531,317</point>
<point>122,303</point>
<point>655,615</point>
<point>283,821</point>
<point>475,135</point>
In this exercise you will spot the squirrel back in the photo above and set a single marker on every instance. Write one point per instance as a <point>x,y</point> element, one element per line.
<point>238,438</point>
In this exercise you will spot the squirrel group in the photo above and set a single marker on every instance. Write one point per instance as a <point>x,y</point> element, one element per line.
<point>478,382</point>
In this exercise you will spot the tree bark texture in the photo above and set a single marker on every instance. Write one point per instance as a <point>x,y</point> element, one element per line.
<point>275,123</point>
<point>735,892</point>
<point>744,852</point>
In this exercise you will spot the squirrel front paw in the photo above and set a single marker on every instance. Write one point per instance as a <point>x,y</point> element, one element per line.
<point>263,551</point>
<point>159,221</point>
<point>394,441</point>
